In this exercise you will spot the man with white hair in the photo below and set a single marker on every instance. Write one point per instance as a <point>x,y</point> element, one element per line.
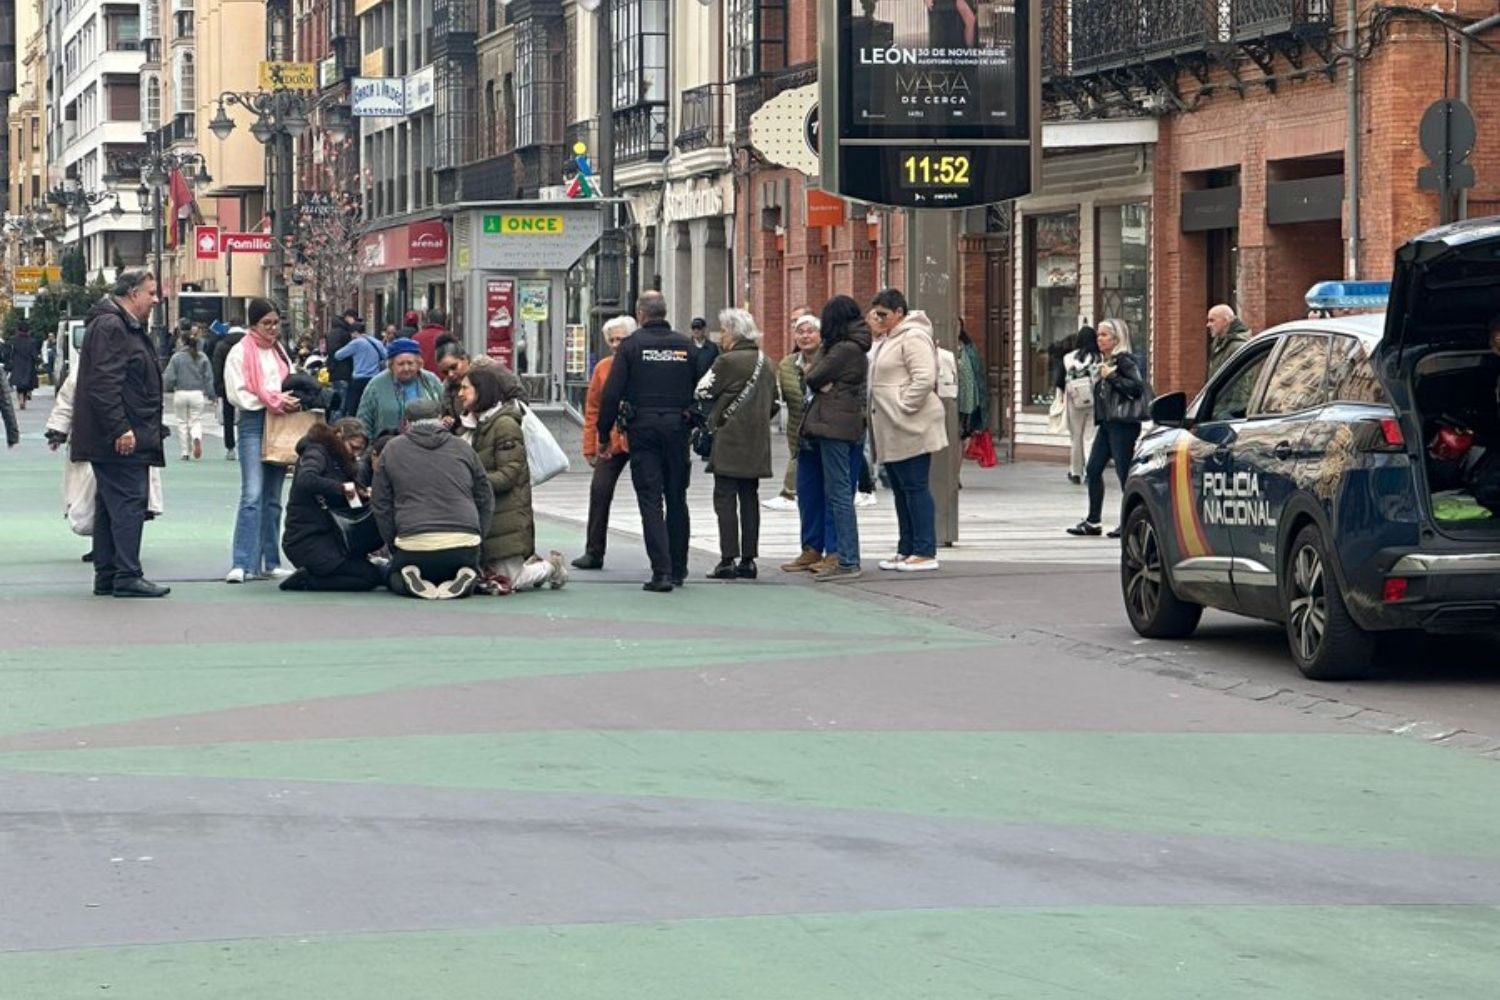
<point>607,469</point>
<point>1227,333</point>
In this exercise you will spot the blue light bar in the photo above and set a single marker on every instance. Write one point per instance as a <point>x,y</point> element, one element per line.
<point>1349,295</point>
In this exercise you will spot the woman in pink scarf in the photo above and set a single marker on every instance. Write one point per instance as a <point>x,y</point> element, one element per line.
<point>253,375</point>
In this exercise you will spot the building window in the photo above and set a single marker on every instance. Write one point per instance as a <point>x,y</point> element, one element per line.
<point>151,103</point>
<point>150,18</point>
<point>539,91</point>
<point>508,132</point>
<point>124,98</point>
<point>490,141</point>
<point>1052,268</point>
<point>640,37</point>
<point>184,85</point>
<point>757,36</point>
<point>1122,271</point>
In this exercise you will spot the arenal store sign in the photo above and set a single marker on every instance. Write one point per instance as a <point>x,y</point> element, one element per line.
<point>418,244</point>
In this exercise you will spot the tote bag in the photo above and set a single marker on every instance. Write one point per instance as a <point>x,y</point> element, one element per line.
<point>283,432</point>
<point>544,456</point>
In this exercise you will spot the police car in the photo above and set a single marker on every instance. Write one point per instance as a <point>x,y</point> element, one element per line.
<point>1331,473</point>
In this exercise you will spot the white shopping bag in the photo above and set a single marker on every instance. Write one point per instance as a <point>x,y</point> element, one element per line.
<point>544,456</point>
<point>78,496</point>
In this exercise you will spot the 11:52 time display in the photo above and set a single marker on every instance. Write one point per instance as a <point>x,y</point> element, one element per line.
<point>937,170</point>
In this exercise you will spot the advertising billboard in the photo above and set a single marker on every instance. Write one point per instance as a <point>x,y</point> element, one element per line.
<point>935,103</point>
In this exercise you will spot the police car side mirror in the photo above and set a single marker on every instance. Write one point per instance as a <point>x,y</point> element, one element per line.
<point>1169,410</point>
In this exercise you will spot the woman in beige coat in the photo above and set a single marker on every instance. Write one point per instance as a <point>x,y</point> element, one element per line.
<point>907,425</point>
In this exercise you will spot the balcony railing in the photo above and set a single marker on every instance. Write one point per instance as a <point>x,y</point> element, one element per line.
<point>1111,34</point>
<point>641,134</point>
<point>702,118</point>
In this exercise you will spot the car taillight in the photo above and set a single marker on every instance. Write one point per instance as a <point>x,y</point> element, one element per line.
<point>1395,590</point>
<point>1380,434</point>
<point>1390,430</point>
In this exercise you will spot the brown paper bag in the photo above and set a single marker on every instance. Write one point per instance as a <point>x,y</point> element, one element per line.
<point>283,432</point>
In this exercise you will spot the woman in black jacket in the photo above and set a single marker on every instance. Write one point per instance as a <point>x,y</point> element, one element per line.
<point>1119,407</point>
<point>327,479</point>
<point>834,425</point>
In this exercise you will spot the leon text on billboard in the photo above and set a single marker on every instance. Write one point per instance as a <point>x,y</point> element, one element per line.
<point>931,67</point>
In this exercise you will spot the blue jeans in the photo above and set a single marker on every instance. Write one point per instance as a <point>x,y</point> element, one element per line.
<point>818,532</point>
<point>916,515</point>
<point>837,461</point>
<point>257,526</point>
<point>339,390</point>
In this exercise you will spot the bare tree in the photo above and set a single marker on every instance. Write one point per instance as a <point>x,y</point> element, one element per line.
<point>326,239</point>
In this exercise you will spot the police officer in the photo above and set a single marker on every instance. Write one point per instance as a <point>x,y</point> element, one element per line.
<point>655,372</point>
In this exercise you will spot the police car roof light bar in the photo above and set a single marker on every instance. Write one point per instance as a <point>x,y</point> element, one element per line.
<point>1349,295</point>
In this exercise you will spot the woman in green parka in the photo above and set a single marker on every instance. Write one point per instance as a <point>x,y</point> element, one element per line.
<point>491,396</point>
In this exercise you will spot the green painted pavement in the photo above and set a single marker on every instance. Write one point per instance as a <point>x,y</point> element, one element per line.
<point>1355,790</point>
<point>85,685</point>
<point>1104,953</point>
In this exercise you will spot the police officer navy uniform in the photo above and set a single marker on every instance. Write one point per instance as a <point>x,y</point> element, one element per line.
<point>655,373</point>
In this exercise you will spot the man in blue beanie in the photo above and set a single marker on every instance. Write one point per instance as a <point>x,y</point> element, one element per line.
<point>382,408</point>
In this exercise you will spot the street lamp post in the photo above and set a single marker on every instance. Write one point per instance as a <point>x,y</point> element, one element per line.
<point>155,168</point>
<point>79,203</point>
<point>281,117</point>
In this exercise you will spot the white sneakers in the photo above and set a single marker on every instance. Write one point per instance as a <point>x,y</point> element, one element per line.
<point>238,575</point>
<point>864,499</point>
<point>909,564</point>
<point>779,502</point>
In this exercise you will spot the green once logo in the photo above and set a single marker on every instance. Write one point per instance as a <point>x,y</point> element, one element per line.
<point>492,223</point>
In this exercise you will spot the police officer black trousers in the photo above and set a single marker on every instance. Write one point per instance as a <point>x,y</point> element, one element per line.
<point>659,471</point>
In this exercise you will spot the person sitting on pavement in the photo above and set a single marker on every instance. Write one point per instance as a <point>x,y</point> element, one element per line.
<point>432,503</point>
<point>790,393</point>
<point>452,367</point>
<point>491,422</point>
<point>383,406</point>
<point>326,480</point>
<point>741,391</point>
<point>607,470</point>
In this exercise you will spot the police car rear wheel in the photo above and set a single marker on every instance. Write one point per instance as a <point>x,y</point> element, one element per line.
<point>1155,610</point>
<point>1326,644</point>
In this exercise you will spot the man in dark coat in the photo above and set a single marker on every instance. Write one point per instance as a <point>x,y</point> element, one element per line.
<point>226,408</point>
<point>340,371</point>
<point>117,428</point>
<point>654,375</point>
<point>25,353</point>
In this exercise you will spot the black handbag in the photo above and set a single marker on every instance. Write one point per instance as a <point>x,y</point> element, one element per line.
<point>702,436</point>
<point>357,531</point>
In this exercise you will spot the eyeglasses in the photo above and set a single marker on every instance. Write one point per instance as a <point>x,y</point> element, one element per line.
<point>269,321</point>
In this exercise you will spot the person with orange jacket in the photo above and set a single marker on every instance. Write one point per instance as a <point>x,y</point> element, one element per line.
<point>606,470</point>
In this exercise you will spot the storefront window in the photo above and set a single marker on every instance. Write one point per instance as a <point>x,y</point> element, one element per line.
<point>1122,235</point>
<point>1052,298</point>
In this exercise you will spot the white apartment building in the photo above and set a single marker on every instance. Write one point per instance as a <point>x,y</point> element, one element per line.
<point>94,61</point>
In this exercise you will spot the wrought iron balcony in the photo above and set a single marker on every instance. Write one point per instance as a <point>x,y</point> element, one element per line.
<point>1106,35</point>
<point>1262,18</point>
<point>641,134</point>
<point>702,122</point>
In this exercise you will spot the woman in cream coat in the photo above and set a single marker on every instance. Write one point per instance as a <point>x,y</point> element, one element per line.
<point>907,425</point>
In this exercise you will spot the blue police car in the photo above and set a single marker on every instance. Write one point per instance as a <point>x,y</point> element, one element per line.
<point>1334,475</point>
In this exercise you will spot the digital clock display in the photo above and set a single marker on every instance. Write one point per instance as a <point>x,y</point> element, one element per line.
<point>935,170</point>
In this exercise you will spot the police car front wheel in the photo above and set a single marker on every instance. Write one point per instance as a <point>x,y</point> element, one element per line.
<point>1155,610</point>
<point>1326,644</point>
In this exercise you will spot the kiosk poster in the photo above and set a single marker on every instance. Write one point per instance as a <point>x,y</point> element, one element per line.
<point>499,320</point>
<point>932,68</point>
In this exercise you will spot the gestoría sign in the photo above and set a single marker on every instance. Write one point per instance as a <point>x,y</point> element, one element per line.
<point>929,103</point>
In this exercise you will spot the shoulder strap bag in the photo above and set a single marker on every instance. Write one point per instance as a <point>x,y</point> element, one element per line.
<point>703,437</point>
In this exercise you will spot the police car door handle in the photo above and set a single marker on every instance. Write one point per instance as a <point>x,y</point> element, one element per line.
<point>1283,450</point>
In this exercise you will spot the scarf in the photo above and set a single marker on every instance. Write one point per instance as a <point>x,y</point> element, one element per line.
<point>274,399</point>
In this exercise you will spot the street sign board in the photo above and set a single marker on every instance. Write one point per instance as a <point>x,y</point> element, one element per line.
<point>206,242</point>
<point>929,105</point>
<point>23,301</point>
<point>377,97</point>
<point>29,279</point>
<point>288,76</point>
<point>246,242</point>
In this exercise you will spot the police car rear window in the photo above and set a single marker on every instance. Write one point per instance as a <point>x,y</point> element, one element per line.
<point>1351,375</point>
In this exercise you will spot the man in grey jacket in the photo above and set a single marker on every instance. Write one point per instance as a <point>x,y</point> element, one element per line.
<point>432,503</point>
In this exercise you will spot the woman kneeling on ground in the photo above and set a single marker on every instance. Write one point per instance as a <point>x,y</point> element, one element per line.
<point>491,397</point>
<point>326,480</point>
